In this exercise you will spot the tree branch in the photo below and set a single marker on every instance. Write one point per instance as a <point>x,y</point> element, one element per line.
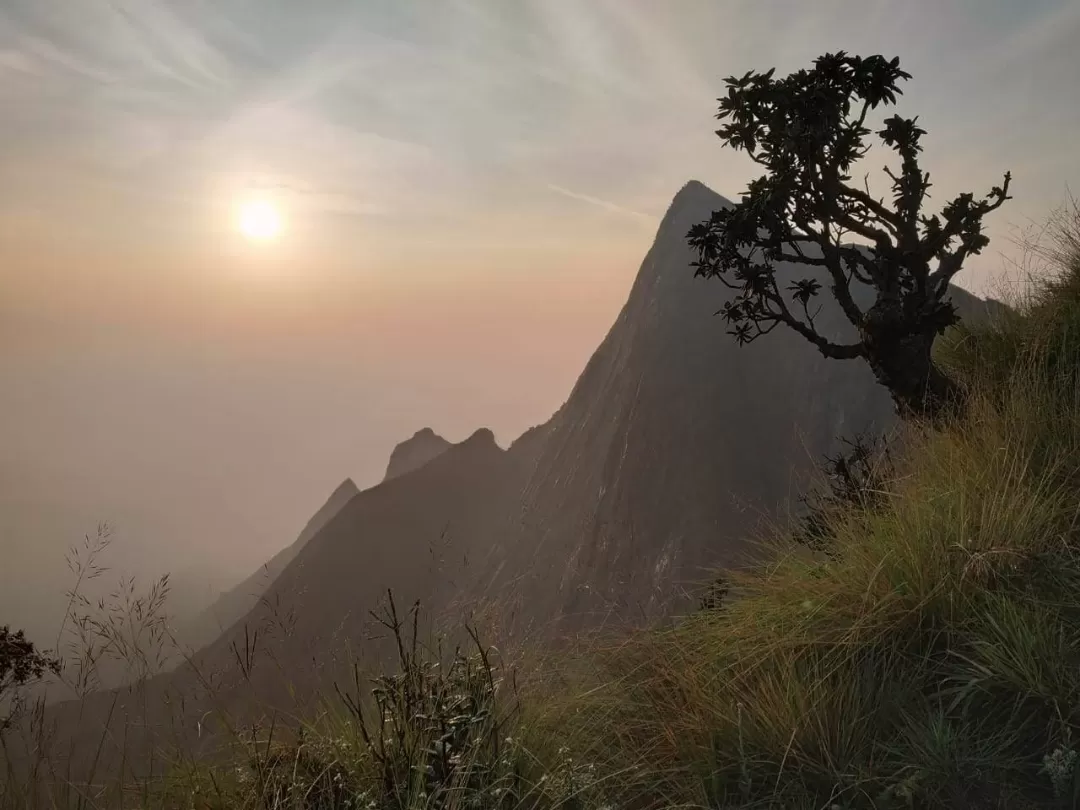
<point>886,215</point>
<point>799,257</point>
<point>837,351</point>
<point>951,263</point>
<point>832,261</point>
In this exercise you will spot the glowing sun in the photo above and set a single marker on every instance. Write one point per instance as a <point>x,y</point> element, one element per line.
<point>259,220</point>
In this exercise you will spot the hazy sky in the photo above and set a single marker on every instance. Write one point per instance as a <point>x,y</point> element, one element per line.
<point>467,187</point>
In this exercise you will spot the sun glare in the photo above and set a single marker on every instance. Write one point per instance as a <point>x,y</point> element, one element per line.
<point>259,220</point>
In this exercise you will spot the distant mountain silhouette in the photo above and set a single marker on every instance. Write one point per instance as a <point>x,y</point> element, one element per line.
<point>235,603</point>
<point>415,534</point>
<point>414,453</point>
<point>673,451</point>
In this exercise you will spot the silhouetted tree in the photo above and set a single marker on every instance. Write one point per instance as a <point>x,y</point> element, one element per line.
<point>808,130</point>
<point>20,664</point>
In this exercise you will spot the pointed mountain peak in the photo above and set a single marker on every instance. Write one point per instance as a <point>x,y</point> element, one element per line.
<point>669,259</point>
<point>694,187</point>
<point>344,493</point>
<point>414,453</point>
<point>693,203</point>
<point>346,487</point>
<point>697,194</point>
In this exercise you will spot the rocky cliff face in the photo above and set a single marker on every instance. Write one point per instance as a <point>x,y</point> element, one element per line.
<point>675,448</point>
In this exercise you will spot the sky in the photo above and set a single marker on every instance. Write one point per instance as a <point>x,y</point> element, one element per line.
<point>467,189</point>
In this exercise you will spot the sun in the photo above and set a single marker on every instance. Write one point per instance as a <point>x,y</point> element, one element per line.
<point>259,220</point>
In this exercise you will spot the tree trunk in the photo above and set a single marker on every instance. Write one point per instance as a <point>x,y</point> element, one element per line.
<point>901,361</point>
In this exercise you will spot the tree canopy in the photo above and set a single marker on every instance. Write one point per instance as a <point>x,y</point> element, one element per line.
<point>808,131</point>
<point>20,664</point>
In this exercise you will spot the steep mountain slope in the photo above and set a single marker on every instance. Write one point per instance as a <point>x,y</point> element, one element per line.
<point>674,446</point>
<point>235,603</point>
<point>414,453</point>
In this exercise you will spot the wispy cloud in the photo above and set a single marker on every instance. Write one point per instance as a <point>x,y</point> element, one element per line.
<point>605,204</point>
<point>452,106</point>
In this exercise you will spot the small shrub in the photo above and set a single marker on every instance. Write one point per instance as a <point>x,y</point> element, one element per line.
<point>21,665</point>
<point>435,731</point>
<point>1060,766</point>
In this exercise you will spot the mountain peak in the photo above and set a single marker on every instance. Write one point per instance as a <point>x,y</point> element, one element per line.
<point>482,436</point>
<point>695,193</point>
<point>694,187</point>
<point>348,486</point>
<point>414,453</point>
<point>693,203</point>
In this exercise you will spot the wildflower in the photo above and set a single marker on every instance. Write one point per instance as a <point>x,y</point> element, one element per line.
<point>1059,766</point>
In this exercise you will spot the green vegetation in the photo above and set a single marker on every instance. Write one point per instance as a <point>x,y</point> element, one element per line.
<point>21,663</point>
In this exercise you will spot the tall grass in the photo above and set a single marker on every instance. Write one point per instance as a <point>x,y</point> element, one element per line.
<point>441,728</point>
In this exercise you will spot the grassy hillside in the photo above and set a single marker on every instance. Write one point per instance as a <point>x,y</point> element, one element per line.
<point>929,659</point>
